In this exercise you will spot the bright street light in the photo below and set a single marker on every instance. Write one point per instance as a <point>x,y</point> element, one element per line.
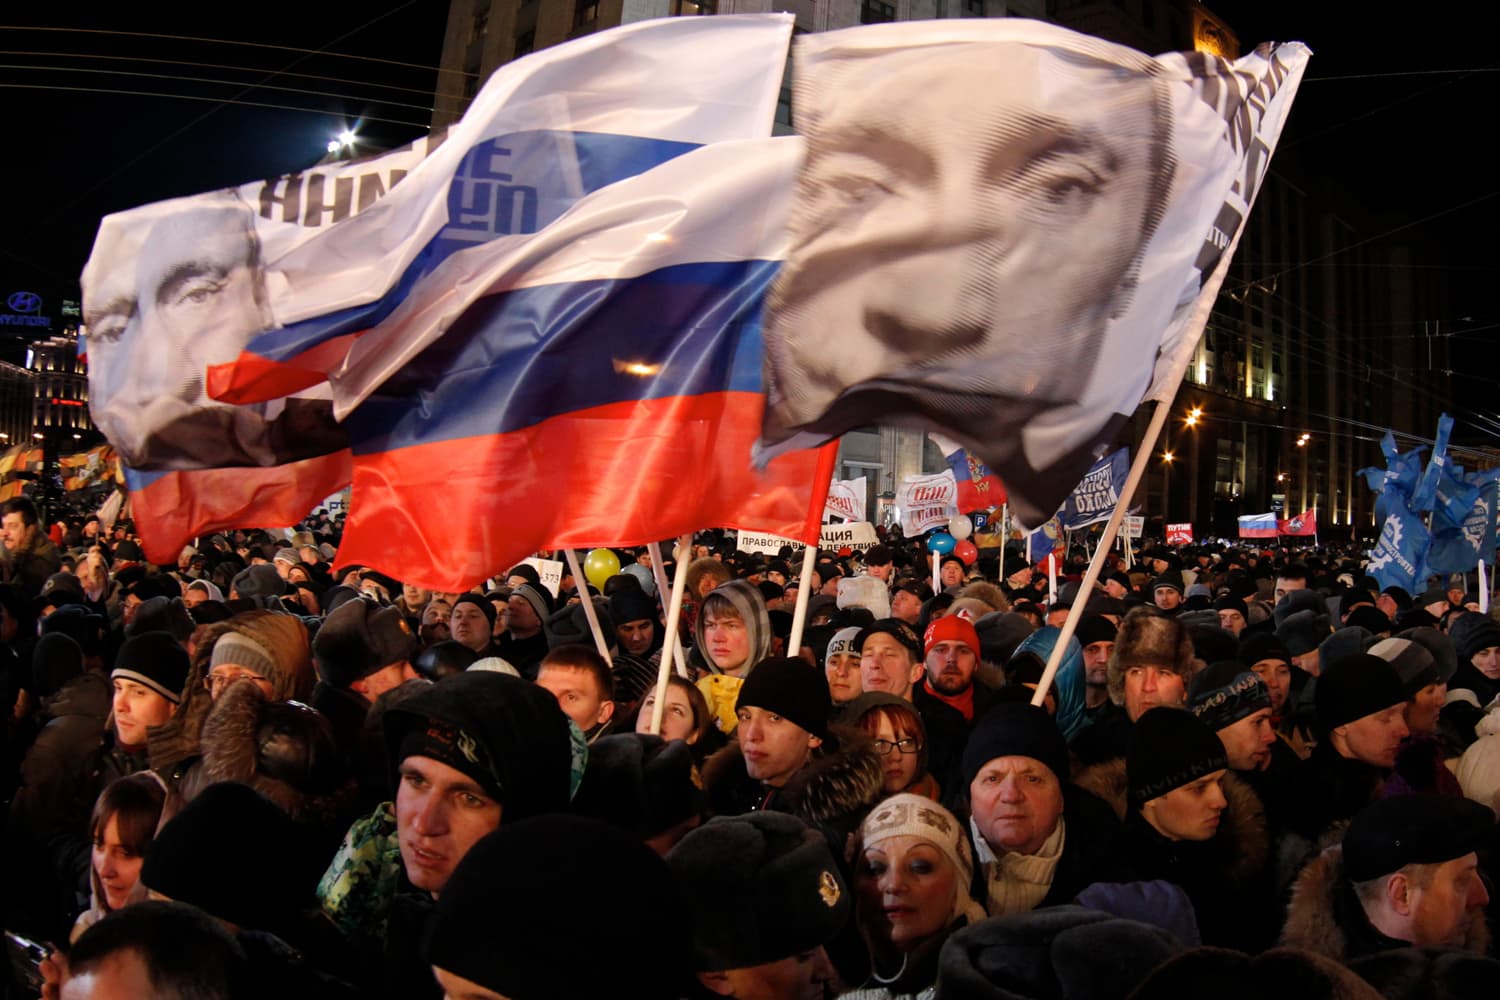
<point>346,138</point>
<point>1166,456</point>
<point>333,145</point>
<point>1193,416</point>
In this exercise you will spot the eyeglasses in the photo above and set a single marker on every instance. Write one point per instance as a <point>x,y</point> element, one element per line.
<point>909,745</point>
<point>217,682</point>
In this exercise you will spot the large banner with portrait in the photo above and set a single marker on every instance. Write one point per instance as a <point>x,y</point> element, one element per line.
<point>1009,233</point>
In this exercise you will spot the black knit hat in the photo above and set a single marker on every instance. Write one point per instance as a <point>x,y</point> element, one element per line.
<point>1297,602</point>
<point>1438,646</point>
<point>1095,628</point>
<point>358,639</point>
<point>1353,688</point>
<point>1171,580</point>
<point>1231,603</point>
<point>187,860</point>
<point>760,887</point>
<point>1413,830</point>
<point>1302,632</point>
<point>482,603</point>
<point>55,659</point>
<point>1472,632</point>
<point>534,952</point>
<point>505,733</point>
<point>1223,693</point>
<point>155,660</point>
<point>1369,617</point>
<point>1016,729</point>
<point>631,604</point>
<point>791,688</point>
<point>1257,646</point>
<point>1168,749</point>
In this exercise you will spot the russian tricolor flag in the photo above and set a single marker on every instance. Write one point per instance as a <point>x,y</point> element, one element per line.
<point>610,394</point>
<point>1258,525</point>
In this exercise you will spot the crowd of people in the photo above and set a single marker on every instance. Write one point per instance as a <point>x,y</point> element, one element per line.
<point>262,772</point>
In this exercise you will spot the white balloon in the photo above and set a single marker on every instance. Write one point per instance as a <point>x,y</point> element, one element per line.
<point>960,527</point>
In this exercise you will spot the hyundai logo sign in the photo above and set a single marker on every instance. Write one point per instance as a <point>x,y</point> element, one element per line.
<point>24,302</point>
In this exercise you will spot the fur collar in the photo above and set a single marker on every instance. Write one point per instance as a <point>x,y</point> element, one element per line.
<point>1312,923</point>
<point>1244,831</point>
<point>833,786</point>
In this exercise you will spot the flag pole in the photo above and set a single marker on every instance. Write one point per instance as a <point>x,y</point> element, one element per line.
<point>1096,564</point>
<point>666,595</point>
<point>587,601</point>
<point>936,582</point>
<point>1484,591</point>
<point>799,610</point>
<point>669,646</point>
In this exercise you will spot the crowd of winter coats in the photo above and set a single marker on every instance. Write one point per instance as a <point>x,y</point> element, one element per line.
<point>261,772</point>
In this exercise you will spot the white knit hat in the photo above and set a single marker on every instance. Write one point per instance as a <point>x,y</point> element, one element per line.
<point>918,816</point>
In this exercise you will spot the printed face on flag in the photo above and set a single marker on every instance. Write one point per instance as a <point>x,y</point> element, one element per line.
<point>168,292</point>
<point>970,228</point>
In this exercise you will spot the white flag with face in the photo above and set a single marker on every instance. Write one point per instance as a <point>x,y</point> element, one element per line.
<point>1009,233</point>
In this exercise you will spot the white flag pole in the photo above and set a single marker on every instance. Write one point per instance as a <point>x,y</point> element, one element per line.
<point>666,595</point>
<point>1096,565</point>
<point>804,594</point>
<point>1052,577</point>
<point>674,614</point>
<point>587,601</point>
<point>936,582</point>
<point>1484,591</point>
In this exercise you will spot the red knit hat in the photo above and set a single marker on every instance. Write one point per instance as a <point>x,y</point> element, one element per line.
<point>950,628</point>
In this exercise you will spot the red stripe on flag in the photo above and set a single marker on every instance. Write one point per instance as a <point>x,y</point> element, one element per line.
<point>251,378</point>
<point>178,506</point>
<point>449,514</point>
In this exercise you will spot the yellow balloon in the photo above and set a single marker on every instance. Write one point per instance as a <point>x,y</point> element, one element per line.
<point>599,565</point>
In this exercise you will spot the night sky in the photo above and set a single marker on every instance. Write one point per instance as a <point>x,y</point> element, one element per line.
<point>1397,137</point>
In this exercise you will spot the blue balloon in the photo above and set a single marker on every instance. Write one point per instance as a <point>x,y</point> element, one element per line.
<point>942,543</point>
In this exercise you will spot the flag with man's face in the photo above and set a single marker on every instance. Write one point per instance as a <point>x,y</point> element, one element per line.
<point>1008,233</point>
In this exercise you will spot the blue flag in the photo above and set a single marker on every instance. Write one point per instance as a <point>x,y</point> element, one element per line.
<point>1458,546</point>
<point>1097,494</point>
<point>1401,552</point>
<point>1425,495</point>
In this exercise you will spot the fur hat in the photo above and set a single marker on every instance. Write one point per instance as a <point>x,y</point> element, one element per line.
<point>1148,638</point>
<point>760,887</point>
<point>641,783</point>
<point>359,639</point>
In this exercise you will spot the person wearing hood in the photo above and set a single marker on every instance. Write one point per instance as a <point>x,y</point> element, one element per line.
<point>1068,693</point>
<point>122,826</point>
<point>469,754</point>
<point>1476,681</point>
<point>731,634</point>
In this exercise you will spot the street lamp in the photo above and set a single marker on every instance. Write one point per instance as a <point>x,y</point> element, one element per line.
<point>1193,416</point>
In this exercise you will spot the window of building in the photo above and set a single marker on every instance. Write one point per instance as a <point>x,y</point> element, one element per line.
<point>876,12</point>
<point>1257,356</point>
<point>481,20</point>
<point>974,8</point>
<point>525,43</point>
<point>586,13</point>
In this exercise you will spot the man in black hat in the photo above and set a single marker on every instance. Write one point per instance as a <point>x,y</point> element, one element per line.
<point>880,564</point>
<point>1166,593</point>
<point>524,641</point>
<point>1096,635</point>
<point>638,628</point>
<point>1407,875</point>
<point>764,897</point>
<point>1360,725</point>
<point>1236,705</point>
<point>1039,839</point>
<point>782,708</point>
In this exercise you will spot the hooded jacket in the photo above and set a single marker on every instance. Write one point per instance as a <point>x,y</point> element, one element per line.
<point>752,608</point>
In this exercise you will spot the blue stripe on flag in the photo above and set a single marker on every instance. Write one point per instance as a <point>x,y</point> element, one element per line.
<point>490,196</point>
<point>521,357</point>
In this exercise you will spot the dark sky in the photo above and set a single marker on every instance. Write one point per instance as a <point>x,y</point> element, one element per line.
<point>1383,114</point>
